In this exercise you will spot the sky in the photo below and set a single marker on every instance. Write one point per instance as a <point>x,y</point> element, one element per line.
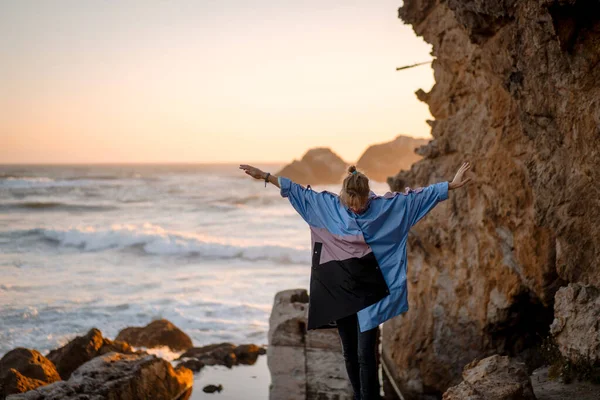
<point>108,81</point>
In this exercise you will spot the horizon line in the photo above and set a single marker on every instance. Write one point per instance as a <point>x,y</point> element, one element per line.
<point>137,163</point>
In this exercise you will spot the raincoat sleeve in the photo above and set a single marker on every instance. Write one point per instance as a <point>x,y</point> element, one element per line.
<point>422,200</point>
<point>314,207</point>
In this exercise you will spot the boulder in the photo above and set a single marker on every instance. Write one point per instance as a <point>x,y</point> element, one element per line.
<point>82,349</point>
<point>23,369</point>
<point>493,378</point>
<point>319,166</point>
<point>303,365</point>
<point>576,326</point>
<point>29,363</point>
<point>381,161</point>
<point>517,94</point>
<point>156,334</point>
<point>119,376</point>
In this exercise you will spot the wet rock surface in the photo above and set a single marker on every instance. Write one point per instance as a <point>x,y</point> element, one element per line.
<point>516,94</point>
<point>118,376</point>
<point>317,167</point>
<point>158,333</point>
<point>226,354</point>
<point>192,364</point>
<point>82,349</point>
<point>493,378</point>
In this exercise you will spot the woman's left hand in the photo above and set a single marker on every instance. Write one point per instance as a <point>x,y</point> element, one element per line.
<point>458,180</point>
<point>253,171</point>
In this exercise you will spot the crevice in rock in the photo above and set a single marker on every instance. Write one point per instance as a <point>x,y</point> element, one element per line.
<point>526,324</point>
<point>574,23</point>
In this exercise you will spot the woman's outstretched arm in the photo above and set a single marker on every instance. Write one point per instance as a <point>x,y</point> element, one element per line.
<point>314,207</point>
<point>421,201</point>
<point>258,174</point>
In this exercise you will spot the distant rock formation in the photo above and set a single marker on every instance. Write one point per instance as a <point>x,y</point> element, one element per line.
<point>319,166</point>
<point>119,376</point>
<point>156,334</point>
<point>381,161</point>
<point>304,366</point>
<point>517,94</point>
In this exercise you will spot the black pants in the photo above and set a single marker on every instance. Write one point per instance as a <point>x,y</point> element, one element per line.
<point>359,355</point>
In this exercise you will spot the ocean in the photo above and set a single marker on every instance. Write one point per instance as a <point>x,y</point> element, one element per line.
<point>112,246</point>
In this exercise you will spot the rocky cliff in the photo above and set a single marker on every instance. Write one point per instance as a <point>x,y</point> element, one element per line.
<point>380,161</point>
<point>517,94</point>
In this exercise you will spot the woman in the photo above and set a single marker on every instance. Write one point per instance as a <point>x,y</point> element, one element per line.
<point>358,276</point>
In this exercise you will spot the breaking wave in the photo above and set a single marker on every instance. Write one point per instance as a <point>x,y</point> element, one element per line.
<point>155,240</point>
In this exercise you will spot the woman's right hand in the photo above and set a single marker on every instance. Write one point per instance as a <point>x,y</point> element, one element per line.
<point>253,171</point>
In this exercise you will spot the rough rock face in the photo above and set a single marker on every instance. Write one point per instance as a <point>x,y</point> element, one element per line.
<point>156,334</point>
<point>517,94</point>
<point>576,325</point>
<point>303,365</point>
<point>493,378</point>
<point>119,377</point>
<point>318,166</point>
<point>82,349</point>
<point>380,161</point>
<point>23,369</point>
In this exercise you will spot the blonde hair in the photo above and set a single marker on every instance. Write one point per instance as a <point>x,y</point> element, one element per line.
<point>355,189</point>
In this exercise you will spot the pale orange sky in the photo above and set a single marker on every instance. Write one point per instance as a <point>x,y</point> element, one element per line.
<point>213,81</point>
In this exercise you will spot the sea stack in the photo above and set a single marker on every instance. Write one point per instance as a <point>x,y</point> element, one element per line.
<point>380,161</point>
<point>319,166</point>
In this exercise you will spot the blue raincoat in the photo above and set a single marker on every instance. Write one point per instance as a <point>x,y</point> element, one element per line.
<point>359,260</point>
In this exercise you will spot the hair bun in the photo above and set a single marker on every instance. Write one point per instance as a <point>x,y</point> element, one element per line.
<point>351,169</point>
